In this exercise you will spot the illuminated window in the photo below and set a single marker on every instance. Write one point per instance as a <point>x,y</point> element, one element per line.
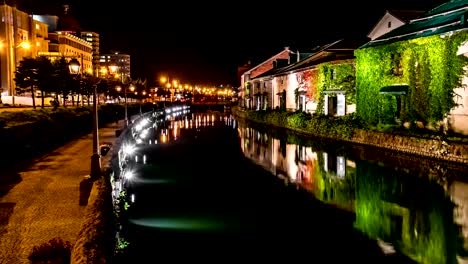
<point>38,44</point>
<point>37,26</point>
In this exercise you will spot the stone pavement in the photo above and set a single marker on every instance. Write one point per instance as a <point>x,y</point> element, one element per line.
<point>45,203</point>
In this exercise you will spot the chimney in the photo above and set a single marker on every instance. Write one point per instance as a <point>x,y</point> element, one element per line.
<point>65,9</point>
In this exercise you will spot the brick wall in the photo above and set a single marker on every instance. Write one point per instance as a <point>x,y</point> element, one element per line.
<point>268,65</point>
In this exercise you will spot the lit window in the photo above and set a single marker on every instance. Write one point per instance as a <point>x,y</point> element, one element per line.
<point>38,44</point>
<point>37,26</point>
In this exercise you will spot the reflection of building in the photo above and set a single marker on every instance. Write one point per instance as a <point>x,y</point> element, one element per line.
<point>21,36</point>
<point>459,193</point>
<point>335,165</point>
<point>328,176</point>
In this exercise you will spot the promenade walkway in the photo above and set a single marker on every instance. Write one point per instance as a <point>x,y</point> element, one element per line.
<point>44,204</point>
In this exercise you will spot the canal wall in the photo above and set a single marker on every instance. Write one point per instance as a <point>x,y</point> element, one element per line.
<point>425,147</point>
<point>95,242</point>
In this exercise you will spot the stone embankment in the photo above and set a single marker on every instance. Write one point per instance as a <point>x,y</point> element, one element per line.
<point>95,241</point>
<point>425,147</point>
<point>432,148</point>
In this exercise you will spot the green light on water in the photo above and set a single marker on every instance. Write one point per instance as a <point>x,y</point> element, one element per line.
<point>179,223</point>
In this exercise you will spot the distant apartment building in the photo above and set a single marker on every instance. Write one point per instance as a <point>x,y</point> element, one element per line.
<point>121,60</point>
<point>93,38</point>
<point>65,30</point>
<point>20,36</point>
<point>65,44</point>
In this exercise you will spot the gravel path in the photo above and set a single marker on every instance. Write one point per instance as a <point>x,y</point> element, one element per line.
<point>44,204</point>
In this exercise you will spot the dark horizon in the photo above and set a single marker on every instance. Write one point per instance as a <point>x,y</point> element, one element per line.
<point>202,43</point>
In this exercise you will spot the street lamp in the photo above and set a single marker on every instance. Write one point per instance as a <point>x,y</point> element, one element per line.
<point>132,88</point>
<point>116,69</point>
<point>171,86</point>
<point>75,67</point>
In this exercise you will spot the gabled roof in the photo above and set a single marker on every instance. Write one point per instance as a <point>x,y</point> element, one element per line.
<point>265,61</point>
<point>338,50</point>
<point>404,16</point>
<point>448,17</point>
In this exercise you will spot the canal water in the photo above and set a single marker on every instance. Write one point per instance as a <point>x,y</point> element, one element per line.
<point>207,187</point>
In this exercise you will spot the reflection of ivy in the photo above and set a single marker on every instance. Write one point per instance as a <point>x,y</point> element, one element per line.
<point>420,224</point>
<point>430,67</point>
<point>338,191</point>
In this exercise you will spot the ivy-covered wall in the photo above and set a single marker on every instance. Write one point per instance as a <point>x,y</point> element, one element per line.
<point>429,66</point>
<point>338,75</point>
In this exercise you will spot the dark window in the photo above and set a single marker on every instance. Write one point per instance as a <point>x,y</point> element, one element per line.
<point>389,24</point>
<point>397,68</point>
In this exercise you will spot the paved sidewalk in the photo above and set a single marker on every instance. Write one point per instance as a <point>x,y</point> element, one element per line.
<point>45,203</point>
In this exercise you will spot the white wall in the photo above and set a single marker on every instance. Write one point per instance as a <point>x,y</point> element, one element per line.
<point>382,26</point>
<point>458,117</point>
<point>291,85</point>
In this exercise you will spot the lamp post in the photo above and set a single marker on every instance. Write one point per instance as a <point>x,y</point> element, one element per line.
<point>132,88</point>
<point>171,86</point>
<point>95,172</point>
<point>115,69</point>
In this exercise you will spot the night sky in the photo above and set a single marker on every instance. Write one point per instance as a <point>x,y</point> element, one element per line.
<point>202,42</point>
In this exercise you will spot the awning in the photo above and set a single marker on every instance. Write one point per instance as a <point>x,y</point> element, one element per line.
<point>394,89</point>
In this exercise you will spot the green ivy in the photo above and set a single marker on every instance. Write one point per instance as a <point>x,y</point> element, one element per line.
<point>430,67</point>
<point>336,76</point>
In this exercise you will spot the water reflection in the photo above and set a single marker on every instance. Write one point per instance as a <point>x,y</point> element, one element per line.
<point>414,206</point>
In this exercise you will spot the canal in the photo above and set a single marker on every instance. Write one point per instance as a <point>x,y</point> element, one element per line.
<point>205,186</point>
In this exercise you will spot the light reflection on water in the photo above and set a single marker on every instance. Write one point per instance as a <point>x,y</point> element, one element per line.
<point>415,206</point>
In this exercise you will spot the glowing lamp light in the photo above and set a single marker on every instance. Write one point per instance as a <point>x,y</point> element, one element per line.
<point>25,45</point>
<point>74,66</point>
<point>129,149</point>
<point>128,175</point>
